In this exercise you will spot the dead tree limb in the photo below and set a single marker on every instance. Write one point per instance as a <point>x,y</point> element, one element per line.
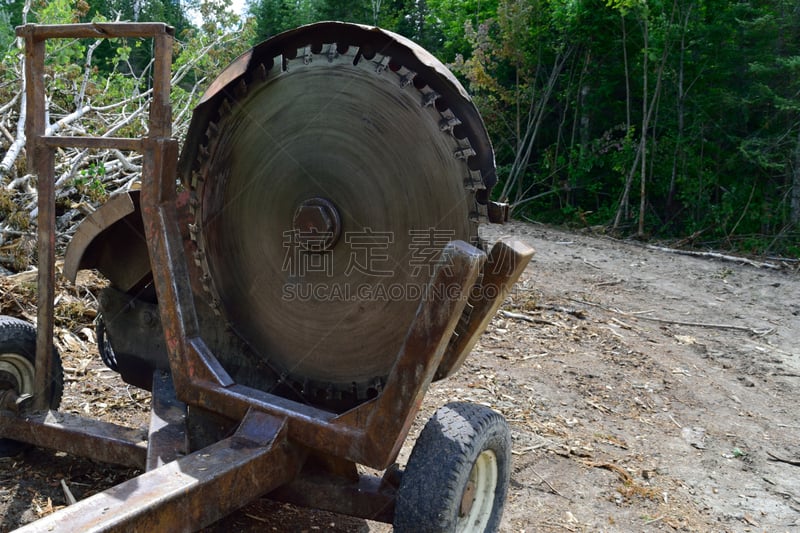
<point>19,142</point>
<point>774,457</point>
<point>755,331</point>
<point>716,255</point>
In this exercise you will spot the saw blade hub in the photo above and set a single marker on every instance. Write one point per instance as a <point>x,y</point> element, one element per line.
<point>317,225</point>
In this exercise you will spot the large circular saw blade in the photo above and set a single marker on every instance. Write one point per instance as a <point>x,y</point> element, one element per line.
<point>328,181</point>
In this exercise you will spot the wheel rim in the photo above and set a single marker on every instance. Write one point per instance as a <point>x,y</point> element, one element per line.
<point>478,500</point>
<point>16,372</point>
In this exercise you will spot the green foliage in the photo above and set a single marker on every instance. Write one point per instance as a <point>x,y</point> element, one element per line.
<point>275,16</point>
<point>412,18</point>
<point>90,182</point>
<point>453,16</point>
<point>564,87</point>
<point>722,143</point>
<point>6,31</point>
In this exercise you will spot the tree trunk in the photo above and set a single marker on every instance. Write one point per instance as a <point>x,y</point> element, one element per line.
<point>533,123</point>
<point>678,155</point>
<point>647,114</point>
<point>645,121</point>
<point>794,211</point>
<point>627,78</point>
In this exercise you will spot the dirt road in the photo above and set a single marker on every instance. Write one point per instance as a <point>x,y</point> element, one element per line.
<point>626,418</point>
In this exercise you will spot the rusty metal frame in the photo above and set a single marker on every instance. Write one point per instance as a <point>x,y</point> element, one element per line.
<point>275,435</point>
<point>177,496</point>
<point>41,149</point>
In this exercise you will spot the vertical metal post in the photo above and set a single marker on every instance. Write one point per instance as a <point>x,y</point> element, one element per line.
<point>41,157</point>
<point>40,161</point>
<point>160,107</point>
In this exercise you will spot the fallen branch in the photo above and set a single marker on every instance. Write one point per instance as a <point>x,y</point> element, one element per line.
<point>67,493</point>
<point>552,489</point>
<point>577,313</point>
<point>624,476</point>
<point>67,120</point>
<point>526,318</point>
<point>11,103</point>
<point>755,331</point>
<point>774,457</point>
<point>715,255</point>
<point>16,147</point>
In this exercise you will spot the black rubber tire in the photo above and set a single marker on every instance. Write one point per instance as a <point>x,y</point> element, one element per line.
<point>18,345</point>
<point>104,347</point>
<point>433,485</point>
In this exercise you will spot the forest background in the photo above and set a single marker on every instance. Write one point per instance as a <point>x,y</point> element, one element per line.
<point>675,120</point>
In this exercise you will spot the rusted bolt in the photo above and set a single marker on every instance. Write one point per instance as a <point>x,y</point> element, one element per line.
<point>8,400</point>
<point>317,224</point>
<point>148,318</point>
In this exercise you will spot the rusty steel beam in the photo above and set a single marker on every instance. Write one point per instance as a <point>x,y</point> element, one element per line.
<point>93,143</point>
<point>166,440</point>
<point>387,419</point>
<point>192,492</point>
<point>369,497</point>
<point>95,30</point>
<point>504,266</point>
<point>160,119</point>
<point>84,437</point>
<point>41,163</point>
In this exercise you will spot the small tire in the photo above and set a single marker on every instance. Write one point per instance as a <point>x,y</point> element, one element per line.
<point>17,370</point>
<point>457,475</point>
<point>104,347</point>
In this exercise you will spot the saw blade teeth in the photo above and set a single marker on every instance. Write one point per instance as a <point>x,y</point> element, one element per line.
<point>448,123</point>
<point>464,153</point>
<point>226,107</point>
<point>382,65</point>
<point>429,98</point>
<point>406,79</point>
<point>203,152</point>
<point>261,72</point>
<point>241,89</point>
<point>212,129</point>
<point>308,56</point>
<point>473,182</point>
<point>332,52</point>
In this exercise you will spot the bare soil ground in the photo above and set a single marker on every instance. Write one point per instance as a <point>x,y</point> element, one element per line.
<point>645,391</point>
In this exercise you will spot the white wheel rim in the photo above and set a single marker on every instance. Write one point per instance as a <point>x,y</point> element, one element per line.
<point>20,369</point>
<point>474,515</point>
